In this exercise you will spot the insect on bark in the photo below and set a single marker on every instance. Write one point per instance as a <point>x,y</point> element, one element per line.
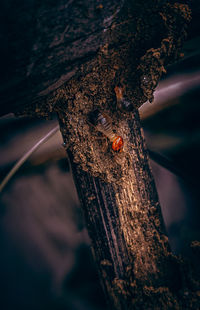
<point>102,123</point>
<point>122,103</point>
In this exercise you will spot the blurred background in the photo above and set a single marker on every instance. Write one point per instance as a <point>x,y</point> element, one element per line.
<point>46,260</point>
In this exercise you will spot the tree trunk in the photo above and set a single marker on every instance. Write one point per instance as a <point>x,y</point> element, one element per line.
<point>117,190</point>
<point>124,221</point>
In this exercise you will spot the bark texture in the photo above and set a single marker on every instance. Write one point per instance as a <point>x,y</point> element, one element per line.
<point>44,44</point>
<point>117,191</point>
<point>125,223</point>
<point>118,195</point>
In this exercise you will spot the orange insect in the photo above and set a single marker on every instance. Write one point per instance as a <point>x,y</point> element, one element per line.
<point>102,123</point>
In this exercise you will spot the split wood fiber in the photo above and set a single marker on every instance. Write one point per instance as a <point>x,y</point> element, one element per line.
<point>125,225</point>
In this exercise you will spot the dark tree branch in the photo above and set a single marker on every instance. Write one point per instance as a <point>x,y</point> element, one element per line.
<point>44,43</point>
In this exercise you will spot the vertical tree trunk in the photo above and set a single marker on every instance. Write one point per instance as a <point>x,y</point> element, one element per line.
<point>117,190</point>
<point>124,221</point>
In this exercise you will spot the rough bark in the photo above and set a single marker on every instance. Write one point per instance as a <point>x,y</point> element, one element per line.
<point>117,191</point>
<point>118,195</point>
<point>124,221</point>
<point>44,44</point>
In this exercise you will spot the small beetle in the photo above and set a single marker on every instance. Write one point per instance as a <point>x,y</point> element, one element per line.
<point>102,123</point>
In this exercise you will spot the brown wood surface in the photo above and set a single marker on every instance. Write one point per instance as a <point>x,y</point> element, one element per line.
<point>43,44</point>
